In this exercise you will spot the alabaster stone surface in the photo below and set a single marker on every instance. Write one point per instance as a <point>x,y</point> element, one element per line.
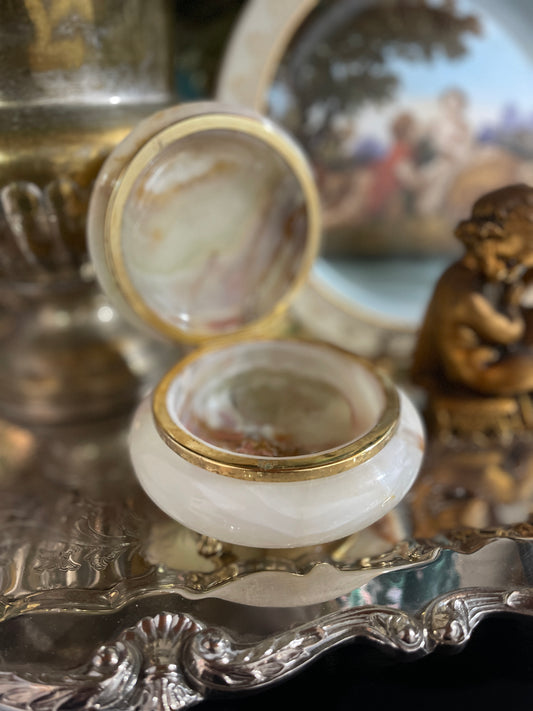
<point>275,398</point>
<point>277,514</point>
<point>108,178</point>
<point>214,231</point>
<point>214,228</point>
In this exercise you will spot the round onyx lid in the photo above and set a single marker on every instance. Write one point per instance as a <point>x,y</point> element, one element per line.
<point>203,222</point>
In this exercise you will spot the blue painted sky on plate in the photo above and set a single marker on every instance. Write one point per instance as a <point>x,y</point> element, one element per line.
<point>496,74</point>
<point>495,71</point>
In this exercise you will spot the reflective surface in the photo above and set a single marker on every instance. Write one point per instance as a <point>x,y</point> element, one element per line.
<point>79,51</point>
<point>80,538</point>
<point>74,79</point>
<point>75,76</point>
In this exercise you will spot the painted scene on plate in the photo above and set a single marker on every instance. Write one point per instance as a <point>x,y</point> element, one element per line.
<point>410,111</point>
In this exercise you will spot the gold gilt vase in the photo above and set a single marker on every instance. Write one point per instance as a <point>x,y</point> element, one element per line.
<point>75,76</point>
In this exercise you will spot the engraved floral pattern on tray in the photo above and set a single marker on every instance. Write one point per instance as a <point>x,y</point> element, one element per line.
<point>75,544</point>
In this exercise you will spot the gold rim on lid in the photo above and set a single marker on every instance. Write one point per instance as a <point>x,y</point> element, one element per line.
<point>276,469</point>
<point>246,124</point>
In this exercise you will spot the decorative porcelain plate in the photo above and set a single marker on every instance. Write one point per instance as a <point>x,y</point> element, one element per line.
<point>409,112</point>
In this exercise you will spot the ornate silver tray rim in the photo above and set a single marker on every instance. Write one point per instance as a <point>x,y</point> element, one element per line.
<point>173,660</point>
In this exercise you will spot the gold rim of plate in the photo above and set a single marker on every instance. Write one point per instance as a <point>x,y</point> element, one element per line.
<point>276,469</point>
<point>257,127</point>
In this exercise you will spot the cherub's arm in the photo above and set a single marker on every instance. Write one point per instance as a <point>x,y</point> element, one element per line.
<point>488,323</point>
<point>478,370</point>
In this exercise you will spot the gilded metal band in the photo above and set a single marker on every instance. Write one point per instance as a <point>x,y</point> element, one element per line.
<point>279,469</point>
<point>257,127</point>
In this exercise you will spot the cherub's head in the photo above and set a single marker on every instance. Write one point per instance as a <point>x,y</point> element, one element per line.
<point>453,101</point>
<point>499,235</point>
<point>403,127</point>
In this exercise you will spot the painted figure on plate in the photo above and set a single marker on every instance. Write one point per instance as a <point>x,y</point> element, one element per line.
<point>410,112</point>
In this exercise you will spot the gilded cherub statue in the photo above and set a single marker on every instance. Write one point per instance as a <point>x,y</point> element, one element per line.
<point>474,357</point>
<point>474,354</point>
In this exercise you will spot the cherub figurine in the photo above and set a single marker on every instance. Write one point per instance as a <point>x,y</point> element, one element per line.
<point>474,356</point>
<point>475,350</point>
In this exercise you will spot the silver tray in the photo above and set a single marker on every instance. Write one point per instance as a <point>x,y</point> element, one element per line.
<point>106,603</point>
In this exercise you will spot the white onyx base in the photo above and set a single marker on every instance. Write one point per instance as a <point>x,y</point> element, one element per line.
<point>277,514</point>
